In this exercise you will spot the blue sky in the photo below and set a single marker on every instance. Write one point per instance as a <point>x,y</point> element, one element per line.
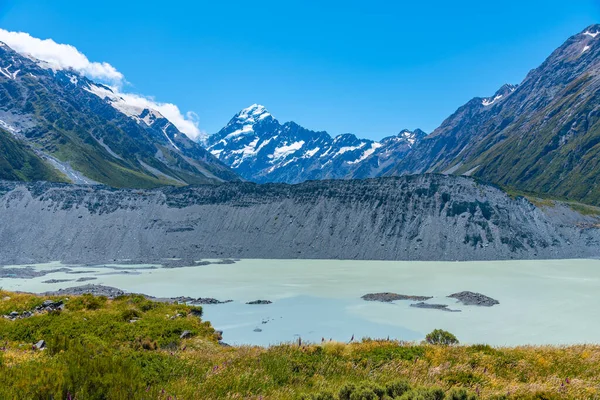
<point>366,67</point>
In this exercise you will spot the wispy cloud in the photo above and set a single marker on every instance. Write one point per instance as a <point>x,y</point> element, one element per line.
<point>187,123</point>
<point>65,56</point>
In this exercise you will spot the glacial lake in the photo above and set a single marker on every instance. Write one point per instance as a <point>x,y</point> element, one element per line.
<point>541,302</point>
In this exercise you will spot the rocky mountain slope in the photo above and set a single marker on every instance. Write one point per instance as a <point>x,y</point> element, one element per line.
<point>260,149</point>
<point>428,217</point>
<point>91,135</point>
<point>542,136</point>
<point>20,163</point>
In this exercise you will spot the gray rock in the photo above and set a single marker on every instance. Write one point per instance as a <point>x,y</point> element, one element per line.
<point>96,290</point>
<point>260,302</point>
<point>185,335</point>
<point>40,345</point>
<point>443,217</point>
<point>85,279</point>
<point>441,307</point>
<point>257,330</point>
<point>474,299</point>
<point>57,280</point>
<point>389,297</point>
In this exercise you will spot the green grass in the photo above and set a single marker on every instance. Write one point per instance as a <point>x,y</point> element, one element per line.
<point>585,209</point>
<point>542,200</point>
<point>95,352</point>
<point>18,162</point>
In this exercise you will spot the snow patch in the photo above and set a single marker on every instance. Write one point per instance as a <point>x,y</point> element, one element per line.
<point>266,142</point>
<point>311,153</point>
<point>252,114</point>
<point>164,129</point>
<point>245,129</point>
<point>586,48</point>
<point>591,34</point>
<point>248,150</point>
<point>409,137</point>
<point>286,150</point>
<point>489,102</point>
<point>122,105</point>
<point>367,153</point>
<point>8,127</point>
<point>348,148</point>
<point>10,75</point>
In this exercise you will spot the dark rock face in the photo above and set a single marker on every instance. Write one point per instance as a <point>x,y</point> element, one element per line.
<point>474,299</point>
<point>260,149</point>
<point>426,217</point>
<point>260,302</point>
<point>539,136</point>
<point>441,307</point>
<point>389,297</point>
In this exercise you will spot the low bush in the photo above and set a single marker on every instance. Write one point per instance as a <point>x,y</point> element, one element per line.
<point>441,337</point>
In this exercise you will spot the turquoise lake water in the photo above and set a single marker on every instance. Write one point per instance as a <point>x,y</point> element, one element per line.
<point>541,302</point>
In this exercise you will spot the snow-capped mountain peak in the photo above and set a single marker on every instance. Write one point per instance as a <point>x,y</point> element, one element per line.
<point>261,149</point>
<point>253,114</point>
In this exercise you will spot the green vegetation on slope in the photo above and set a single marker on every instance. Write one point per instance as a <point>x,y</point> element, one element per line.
<point>96,351</point>
<point>539,160</point>
<point>19,163</point>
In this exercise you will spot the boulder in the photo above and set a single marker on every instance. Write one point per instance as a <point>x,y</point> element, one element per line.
<point>185,335</point>
<point>474,299</point>
<point>260,302</point>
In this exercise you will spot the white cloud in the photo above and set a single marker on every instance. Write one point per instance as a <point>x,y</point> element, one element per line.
<point>187,123</point>
<point>65,56</point>
<point>60,56</point>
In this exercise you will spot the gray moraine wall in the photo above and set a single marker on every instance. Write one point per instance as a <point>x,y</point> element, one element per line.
<point>424,217</point>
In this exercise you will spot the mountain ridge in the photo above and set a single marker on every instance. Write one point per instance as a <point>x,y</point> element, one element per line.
<point>261,149</point>
<point>541,137</point>
<point>82,129</point>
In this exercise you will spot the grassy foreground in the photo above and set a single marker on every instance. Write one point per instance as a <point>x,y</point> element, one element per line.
<point>94,351</point>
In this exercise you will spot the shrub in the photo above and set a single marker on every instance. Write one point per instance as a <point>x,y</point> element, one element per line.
<point>129,314</point>
<point>397,388</point>
<point>441,337</point>
<point>364,393</point>
<point>346,391</point>
<point>146,344</point>
<point>460,394</point>
<point>195,311</point>
<point>424,394</point>
<point>86,302</point>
